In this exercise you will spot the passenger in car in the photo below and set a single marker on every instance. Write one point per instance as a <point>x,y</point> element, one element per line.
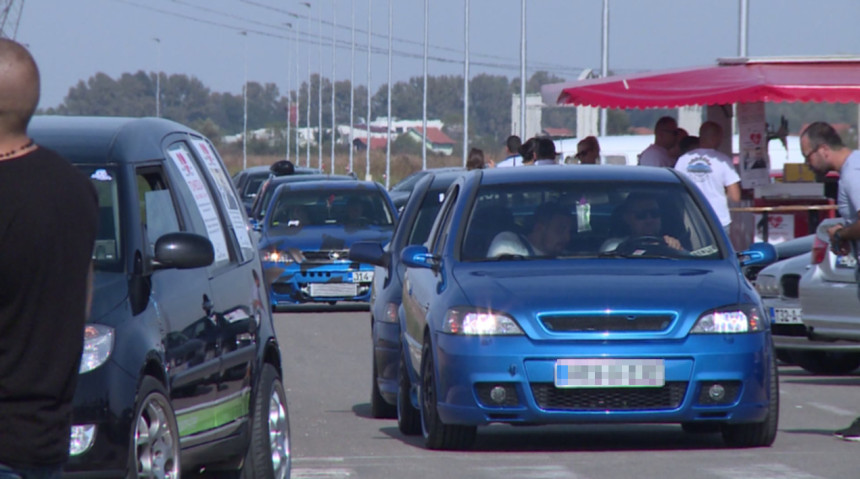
<point>549,234</point>
<point>638,216</point>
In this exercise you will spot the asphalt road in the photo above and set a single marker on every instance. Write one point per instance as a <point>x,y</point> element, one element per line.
<point>326,356</point>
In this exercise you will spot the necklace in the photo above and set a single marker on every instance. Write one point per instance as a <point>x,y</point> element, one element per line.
<point>14,152</point>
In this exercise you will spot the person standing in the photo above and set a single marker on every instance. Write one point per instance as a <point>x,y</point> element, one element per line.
<point>476,160</point>
<point>823,151</point>
<point>545,152</point>
<point>512,145</point>
<point>48,223</point>
<point>712,171</point>
<point>588,151</point>
<point>665,138</point>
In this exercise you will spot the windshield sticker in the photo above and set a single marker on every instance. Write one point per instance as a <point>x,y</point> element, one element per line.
<point>101,175</point>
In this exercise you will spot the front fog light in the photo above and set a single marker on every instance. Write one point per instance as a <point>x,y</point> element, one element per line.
<point>82,439</point>
<point>498,394</point>
<point>716,392</point>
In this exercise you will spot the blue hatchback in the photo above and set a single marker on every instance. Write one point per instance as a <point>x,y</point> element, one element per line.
<point>584,294</point>
<point>306,234</point>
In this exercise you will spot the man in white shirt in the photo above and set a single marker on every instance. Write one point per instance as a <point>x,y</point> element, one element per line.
<point>513,146</point>
<point>665,138</point>
<point>550,233</point>
<point>712,171</point>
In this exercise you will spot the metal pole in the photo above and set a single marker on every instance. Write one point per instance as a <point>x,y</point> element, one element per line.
<point>604,63</point>
<point>424,100</point>
<point>319,91</point>
<point>466,89</point>
<point>743,28</point>
<point>352,92</point>
<point>158,79</point>
<point>298,97</point>
<point>245,102</point>
<point>289,92</point>
<point>333,70</point>
<point>388,130</point>
<point>522,71</point>
<point>367,175</point>
<point>308,107</point>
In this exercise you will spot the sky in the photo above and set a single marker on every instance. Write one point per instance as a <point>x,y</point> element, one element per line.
<point>72,40</point>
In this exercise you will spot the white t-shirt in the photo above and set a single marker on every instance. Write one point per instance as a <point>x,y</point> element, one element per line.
<point>655,155</point>
<point>515,160</point>
<point>508,242</point>
<point>712,171</point>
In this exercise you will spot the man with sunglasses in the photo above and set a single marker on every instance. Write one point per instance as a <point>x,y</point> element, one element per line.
<point>824,151</point>
<point>712,171</point>
<point>639,217</point>
<point>665,138</point>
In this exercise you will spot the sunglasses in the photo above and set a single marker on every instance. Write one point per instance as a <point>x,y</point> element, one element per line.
<point>643,214</point>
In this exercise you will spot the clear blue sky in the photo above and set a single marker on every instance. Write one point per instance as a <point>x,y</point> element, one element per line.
<point>74,39</point>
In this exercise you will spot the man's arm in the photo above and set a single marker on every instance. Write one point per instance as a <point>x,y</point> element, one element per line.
<point>733,192</point>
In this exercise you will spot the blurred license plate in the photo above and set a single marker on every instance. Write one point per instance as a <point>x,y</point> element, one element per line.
<point>609,373</point>
<point>847,261</point>
<point>333,289</point>
<point>786,315</point>
<point>362,276</point>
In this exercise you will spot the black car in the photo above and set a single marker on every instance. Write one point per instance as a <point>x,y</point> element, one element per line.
<point>264,195</point>
<point>400,192</point>
<point>181,369</point>
<point>249,180</point>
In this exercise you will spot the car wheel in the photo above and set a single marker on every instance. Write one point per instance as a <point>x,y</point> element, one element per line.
<point>155,436</point>
<point>379,408</point>
<point>408,418</point>
<point>269,454</point>
<point>438,435</point>
<point>761,434</point>
<point>825,362</point>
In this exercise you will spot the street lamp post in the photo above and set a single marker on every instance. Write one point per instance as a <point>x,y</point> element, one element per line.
<point>388,128</point>
<point>367,175</point>
<point>523,70</point>
<point>245,103</point>
<point>289,94</point>
<point>424,100</point>
<point>466,89</point>
<point>158,79</point>
<point>319,89</point>
<point>333,70</point>
<point>352,93</point>
<point>308,108</point>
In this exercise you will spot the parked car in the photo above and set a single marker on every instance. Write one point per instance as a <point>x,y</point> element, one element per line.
<point>249,180</point>
<point>306,234</point>
<point>828,299</point>
<point>181,368</point>
<point>779,287</point>
<point>264,195</point>
<point>400,192</point>
<point>639,333</point>
<point>413,226</point>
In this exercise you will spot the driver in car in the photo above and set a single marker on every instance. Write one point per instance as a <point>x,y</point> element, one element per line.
<point>640,218</point>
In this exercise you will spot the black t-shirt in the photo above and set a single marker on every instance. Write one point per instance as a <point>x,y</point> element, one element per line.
<point>48,221</point>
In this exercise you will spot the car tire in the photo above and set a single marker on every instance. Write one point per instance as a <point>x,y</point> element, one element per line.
<point>437,434</point>
<point>379,407</point>
<point>270,427</point>
<point>408,417</point>
<point>826,362</point>
<point>760,434</point>
<point>155,449</point>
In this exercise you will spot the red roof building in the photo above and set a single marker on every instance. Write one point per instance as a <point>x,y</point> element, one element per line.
<point>437,140</point>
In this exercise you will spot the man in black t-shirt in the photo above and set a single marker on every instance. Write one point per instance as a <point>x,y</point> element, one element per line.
<point>48,221</point>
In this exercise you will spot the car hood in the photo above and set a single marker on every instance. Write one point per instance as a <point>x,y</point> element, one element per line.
<point>323,238</point>
<point>603,285</point>
<point>109,290</point>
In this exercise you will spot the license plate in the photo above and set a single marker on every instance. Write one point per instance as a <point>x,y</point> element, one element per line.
<point>362,276</point>
<point>334,290</point>
<point>786,315</point>
<point>847,261</point>
<point>609,373</point>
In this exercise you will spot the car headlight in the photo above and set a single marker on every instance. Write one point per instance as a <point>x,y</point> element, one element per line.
<point>471,321</point>
<point>278,257</point>
<point>98,344</point>
<point>730,319</point>
<point>767,286</point>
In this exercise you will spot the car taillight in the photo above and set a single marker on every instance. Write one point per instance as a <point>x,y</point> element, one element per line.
<point>819,250</point>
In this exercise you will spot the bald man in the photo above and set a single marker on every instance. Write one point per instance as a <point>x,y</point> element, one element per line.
<point>712,171</point>
<point>48,221</point>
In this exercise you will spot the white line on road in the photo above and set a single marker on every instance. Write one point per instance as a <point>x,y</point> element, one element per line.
<point>763,471</point>
<point>833,409</point>
<point>529,472</point>
<point>329,473</point>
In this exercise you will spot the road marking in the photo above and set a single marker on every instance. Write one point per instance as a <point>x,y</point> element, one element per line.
<point>763,471</point>
<point>529,472</point>
<point>833,409</point>
<point>330,473</point>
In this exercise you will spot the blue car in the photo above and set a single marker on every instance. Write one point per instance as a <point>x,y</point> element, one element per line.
<point>306,233</point>
<point>413,226</point>
<point>583,294</point>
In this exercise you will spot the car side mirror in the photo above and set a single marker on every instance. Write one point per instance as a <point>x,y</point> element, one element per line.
<point>183,251</point>
<point>758,254</point>
<point>369,252</point>
<point>417,256</point>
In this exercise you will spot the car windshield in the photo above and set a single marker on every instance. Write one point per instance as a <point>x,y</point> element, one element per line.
<point>107,251</point>
<point>349,208</point>
<point>587,220</point>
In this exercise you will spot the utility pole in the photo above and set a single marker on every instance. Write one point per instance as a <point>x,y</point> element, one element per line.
<point>245,104</point>
<point>367,175</point>
<point>333,70</point>
<point>352,93</point>
<point>466,88</point>
<point>424,101</point>
<point>388,128</point>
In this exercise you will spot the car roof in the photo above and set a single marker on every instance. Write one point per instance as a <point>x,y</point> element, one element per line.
<point>104,139</point>
<point>302,178</point>
<point>329,185</point>
<point>529,174</point>
<point>446,177</point>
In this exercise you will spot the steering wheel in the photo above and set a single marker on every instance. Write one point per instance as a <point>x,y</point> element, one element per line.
<point>651,243</point>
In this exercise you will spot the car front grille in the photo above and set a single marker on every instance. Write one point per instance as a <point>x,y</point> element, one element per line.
<point>790,285</point>
<point>549,397</point>
<point>558,323</point>
<point>325,256</point>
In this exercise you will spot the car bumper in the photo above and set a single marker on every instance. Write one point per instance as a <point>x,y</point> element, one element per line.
<point>321,283</point>
<point>468,366</point>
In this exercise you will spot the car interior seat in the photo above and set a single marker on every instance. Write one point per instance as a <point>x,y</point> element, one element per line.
<point>486,222</point>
